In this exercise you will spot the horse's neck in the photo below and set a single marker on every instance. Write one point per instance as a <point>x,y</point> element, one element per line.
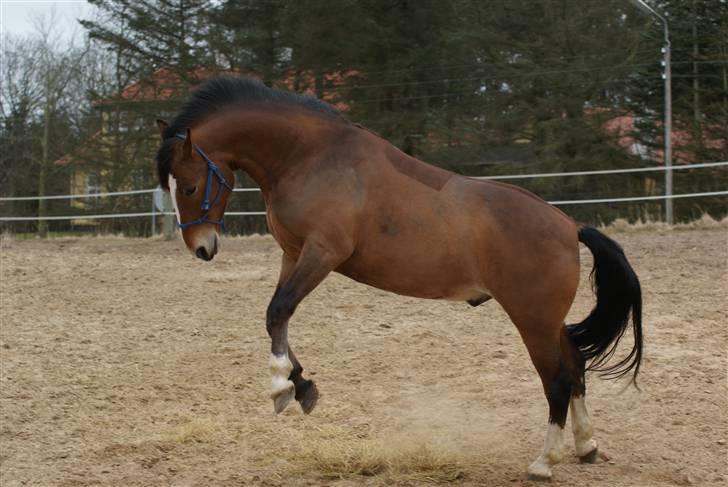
<point>264,143</point>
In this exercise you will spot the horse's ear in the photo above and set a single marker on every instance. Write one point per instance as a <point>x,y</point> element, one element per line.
<point>187,150</point>
<point>162,126</point>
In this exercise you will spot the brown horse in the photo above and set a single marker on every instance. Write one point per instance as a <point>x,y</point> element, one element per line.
<point>340,198</point>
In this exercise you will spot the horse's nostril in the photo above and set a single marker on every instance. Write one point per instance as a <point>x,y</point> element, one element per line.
<point>201,252</point>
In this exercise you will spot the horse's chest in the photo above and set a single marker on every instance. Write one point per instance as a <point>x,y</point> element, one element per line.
<point>289,243</point>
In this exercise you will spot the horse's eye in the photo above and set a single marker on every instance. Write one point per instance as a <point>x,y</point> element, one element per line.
<point>189,191</point>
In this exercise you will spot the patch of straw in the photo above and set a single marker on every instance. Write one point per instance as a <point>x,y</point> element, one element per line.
<point>399,457</point>
<point>197,430</point>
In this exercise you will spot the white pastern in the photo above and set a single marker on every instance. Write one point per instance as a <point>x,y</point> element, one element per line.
<point>581,426</point>
<point>553,452</point>
<point>173,193</point>
<point>280,369</point>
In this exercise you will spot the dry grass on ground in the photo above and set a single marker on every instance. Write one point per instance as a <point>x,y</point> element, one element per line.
<point>126,362</point>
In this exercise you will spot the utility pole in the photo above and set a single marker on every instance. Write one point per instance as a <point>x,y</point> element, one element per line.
<point>644,8</point>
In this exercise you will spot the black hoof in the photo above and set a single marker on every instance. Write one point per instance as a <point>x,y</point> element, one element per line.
<point>307,395</point>
<point>538,478</point>
<point>590,457</point>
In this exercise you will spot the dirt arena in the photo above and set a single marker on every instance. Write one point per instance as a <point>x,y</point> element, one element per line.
<point>129,363</point>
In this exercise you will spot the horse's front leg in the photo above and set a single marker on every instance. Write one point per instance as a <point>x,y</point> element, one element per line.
<point>306,391</point>
<point>297,280</point>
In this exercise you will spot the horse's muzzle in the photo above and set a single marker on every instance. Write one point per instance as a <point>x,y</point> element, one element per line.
<point>201,252</point>
<point>207,252</point>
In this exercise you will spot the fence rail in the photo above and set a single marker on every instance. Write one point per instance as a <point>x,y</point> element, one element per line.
<point>606,171</point>
<point>77,196</point>
<point>504,176</point>
<point>260,213</point>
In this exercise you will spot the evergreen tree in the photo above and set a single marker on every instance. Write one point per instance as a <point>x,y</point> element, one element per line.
<point>250,40</point>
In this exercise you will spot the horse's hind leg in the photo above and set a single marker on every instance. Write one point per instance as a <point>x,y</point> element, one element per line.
<point>586,446</point>
<point>545,344</point>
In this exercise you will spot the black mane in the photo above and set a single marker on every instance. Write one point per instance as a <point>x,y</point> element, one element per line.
<point>224,91</point>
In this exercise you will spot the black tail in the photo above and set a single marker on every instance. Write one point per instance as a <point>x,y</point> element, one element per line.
<point>618,293</point>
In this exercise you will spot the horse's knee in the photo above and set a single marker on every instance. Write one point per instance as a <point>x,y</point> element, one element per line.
<point>279,312</point>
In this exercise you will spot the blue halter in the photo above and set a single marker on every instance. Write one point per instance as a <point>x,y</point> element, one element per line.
<point>212,169</point>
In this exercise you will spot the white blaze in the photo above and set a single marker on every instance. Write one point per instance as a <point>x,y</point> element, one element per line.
<point>173,193</point>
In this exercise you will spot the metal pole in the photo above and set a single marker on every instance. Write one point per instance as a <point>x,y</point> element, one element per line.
<point>669,217</point>
<point>668,108</point>
<point>154,217</point>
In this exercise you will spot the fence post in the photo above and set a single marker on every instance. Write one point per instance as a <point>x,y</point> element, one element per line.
<point>154,217</point>
<point>168,223</point>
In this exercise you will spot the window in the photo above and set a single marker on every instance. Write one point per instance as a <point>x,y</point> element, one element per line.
<point>92,187</point>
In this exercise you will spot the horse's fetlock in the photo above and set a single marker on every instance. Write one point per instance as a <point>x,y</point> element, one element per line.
<point>296,372</point>
<point>555,455</point>
<point>280,365</point>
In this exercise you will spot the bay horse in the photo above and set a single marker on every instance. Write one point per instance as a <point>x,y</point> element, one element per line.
<point>340,198</point>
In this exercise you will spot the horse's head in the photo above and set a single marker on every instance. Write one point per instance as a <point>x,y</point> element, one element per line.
<point>199,188</point>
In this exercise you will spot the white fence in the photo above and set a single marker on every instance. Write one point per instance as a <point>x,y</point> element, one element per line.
<point>499,177</point>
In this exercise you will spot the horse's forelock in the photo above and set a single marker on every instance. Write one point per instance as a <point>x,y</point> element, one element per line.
<point>164,162</point>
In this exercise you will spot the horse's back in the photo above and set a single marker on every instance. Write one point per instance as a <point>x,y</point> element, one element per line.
<point>426,232</point>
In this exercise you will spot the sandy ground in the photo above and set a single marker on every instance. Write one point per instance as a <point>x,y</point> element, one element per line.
<point>128,362</point>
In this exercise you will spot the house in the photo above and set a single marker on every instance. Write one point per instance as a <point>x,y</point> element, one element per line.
<point>624,127</point>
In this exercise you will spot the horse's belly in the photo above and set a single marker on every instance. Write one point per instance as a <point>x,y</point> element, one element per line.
<point>426,244</point>
<point>435,277</point>
<point>416,289</point>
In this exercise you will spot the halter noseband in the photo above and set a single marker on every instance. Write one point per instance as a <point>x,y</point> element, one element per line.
<point>212,169</point>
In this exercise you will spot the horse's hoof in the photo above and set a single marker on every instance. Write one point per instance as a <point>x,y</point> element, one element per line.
<point>282,397</point>
<point>307,395</point>
<point>539,472</point>
<point>539,478</point>
<point>590,457</point>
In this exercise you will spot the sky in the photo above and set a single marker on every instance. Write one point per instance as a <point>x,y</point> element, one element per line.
<point>16,16</point>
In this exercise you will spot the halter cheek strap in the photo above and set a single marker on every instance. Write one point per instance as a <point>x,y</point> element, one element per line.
<point>212,169</point>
